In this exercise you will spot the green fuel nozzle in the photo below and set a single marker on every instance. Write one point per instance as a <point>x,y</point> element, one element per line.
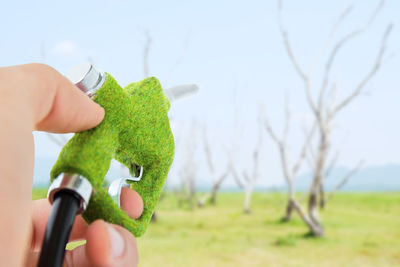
<point>135,131</point>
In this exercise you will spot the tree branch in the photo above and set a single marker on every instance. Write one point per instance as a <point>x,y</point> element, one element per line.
<point>303,152</point>
<point>222,177</point>
<point>340,44</point>
<point>293,59</point>
<point>271,132</point>
<point>246,176</point>
<point>370,74</point>
<point>282,152</point>
<point>287,120</point>
<point>55,140</point>
<point>146,53</point>
<point>208,152</point>
<point>345,179</point>
<point>288,47</point>
<point>235,175</point>
<point>311,162</point>
<point>332,164</point>
<point>257,148</point>
<point>335,26</point>
<point>180,58</point>
<point>309,147</point>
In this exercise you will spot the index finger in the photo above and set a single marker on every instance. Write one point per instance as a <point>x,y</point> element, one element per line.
<point>56,105</point>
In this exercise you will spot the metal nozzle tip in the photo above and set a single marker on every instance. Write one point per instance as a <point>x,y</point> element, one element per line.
<point>86,77</point>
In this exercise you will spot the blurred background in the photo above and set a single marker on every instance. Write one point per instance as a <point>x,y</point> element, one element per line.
<point>286,129</point>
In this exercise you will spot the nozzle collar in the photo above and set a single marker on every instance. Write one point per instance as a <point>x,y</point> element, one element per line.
<point>74,183</point>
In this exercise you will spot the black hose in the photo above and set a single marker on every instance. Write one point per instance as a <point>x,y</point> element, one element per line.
<point>58,229</point>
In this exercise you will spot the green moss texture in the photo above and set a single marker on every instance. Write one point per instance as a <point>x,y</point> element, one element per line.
<point>135,130</point>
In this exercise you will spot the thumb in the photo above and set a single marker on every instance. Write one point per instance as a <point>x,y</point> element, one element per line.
<point>107,245</point>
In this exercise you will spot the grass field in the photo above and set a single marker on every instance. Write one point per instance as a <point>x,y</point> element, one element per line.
<point>362,229</point>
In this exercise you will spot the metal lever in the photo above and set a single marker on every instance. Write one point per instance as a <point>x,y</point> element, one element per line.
<point>115,187</point>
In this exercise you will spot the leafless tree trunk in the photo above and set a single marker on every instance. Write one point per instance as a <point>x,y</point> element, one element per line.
<point>251,180</point>
<point>323,107</point>
<point>247,182</point>
<point>217,179</point>
<point>290,172</point>
<point>216,187</point>
<point>188,170</point>
<point>146,53</point>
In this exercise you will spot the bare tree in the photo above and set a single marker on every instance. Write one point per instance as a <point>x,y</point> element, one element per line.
<point>290,172</point>
<point>188,170</point>
<point>248,181</point>
<point>324,106</point>
<point>217,178</point>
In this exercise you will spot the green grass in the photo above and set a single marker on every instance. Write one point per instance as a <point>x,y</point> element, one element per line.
<point>362,229</point>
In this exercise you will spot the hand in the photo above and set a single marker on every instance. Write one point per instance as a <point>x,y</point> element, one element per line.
<point>37,97</point>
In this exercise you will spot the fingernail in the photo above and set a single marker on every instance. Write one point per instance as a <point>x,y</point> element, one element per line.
<point>117,242</point>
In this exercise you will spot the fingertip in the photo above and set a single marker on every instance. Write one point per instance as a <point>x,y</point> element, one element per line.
<point>123,247</point>
<point>110,245</point>
<point>61,107</point>
<point>131,203</point>
<point>89,115</point>
<point>97,115</point>
<point>86,114</point>
<point>101,113</point>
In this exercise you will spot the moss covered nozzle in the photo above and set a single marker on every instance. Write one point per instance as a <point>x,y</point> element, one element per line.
<point>135,131</point>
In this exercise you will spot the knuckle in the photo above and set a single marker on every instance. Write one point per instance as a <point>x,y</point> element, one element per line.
<point>43,76</point>
<point>39,71</point>
<point>35,67</point>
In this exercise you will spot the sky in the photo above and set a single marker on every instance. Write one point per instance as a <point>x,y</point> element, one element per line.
<point>234,52</point>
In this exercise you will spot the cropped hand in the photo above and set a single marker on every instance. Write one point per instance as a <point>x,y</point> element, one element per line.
<point>35,97</point>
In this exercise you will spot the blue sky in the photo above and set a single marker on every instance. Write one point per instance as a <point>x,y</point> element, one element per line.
<point>234,52</point>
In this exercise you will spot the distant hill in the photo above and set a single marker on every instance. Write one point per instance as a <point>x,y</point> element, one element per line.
<point>371,178</point>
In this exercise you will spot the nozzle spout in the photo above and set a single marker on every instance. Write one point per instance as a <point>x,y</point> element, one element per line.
<point>87,78</point>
